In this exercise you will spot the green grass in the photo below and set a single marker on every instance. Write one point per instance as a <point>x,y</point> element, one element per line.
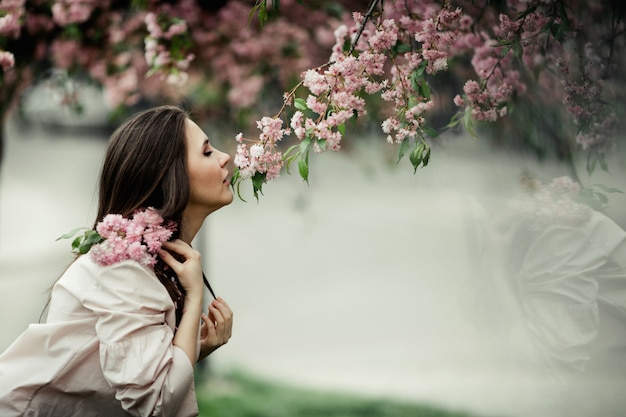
<point>238,395</point>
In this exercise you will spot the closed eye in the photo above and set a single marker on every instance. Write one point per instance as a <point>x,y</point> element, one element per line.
<point>208,153</point>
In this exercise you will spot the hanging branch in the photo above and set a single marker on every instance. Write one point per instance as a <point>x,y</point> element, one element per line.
<point>368,16</point>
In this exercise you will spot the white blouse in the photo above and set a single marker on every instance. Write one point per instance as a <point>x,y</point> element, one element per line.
<point>105,350</point>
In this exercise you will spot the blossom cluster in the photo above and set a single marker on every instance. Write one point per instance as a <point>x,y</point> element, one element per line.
<point>138,238</point>
<point>583,100</point>
<point>10,19</point>
<point>555,203</point>
<point>392,55</point>
<point>12,12</point>
<point>261,156</point>
<point>65,12</point>
<point>165,48</point>
<point>241,60</point>
<point>211,56</point>
<point>362,57</point>
<point>7,60</point>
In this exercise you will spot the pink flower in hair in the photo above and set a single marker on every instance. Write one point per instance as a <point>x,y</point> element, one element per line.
<point>138,238</point>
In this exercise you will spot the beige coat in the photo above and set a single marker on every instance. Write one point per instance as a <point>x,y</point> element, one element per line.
<point>105,350</point>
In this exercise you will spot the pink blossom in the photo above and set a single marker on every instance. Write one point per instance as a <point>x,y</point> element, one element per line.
<point>177,79</point>
<point>138,238</point>
<point>10,19</point>
<point>316,105</point>
<point>9,25</point>
<point>315,82</point>
<point>65,12</point>
<point>245,93</point>
<point>385,37</point>
<point>296,124</point>
<point>7,60</point>
<point>175,29</point>
<point>154,29</point>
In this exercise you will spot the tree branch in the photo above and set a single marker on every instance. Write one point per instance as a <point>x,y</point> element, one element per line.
<point>368,16</point>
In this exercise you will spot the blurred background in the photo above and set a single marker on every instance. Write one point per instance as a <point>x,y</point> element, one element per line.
<point>365,284</point>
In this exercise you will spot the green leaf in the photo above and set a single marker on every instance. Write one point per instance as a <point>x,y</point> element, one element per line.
<point>322,144</point>
<point>72,31</point>
<point>400,48</point>
<point>607,189</point>
<point>238,191</point>
<point>303,167</point>
<point>416,156</point>
<point>258,180</point>
<point>426,157</point>
<point>591,164</point>
<point>404,146</point>
<point>502,43</point>
<point>260,8</point>
<point>235,178</point>
<point>288,151</point>
<point>263,15</point>
<point>289,160</point>
<point>430,131</point>
<point>71,233</point>
<point>304,145</point>
<point>455,120</point>
<point>518,50</point>
<point>603,164</point>
<point>90,238</point>
<point>300,104</point>
<point>415,81</point>
<point>76,243</point>
<point>342,129</point>
<point>424,89</point>
<point>604,199</point>
<point>467,121</point>
<point>419,71</point>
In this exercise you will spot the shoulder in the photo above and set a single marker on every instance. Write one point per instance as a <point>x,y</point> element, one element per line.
<point>84,275</point>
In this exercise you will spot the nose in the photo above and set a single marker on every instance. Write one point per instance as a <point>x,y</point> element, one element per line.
<point>224,158</point>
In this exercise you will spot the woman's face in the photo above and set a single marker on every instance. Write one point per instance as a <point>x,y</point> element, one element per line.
<point>209,178</point>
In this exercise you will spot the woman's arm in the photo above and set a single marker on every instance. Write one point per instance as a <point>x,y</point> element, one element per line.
<point>134,324</point>
<point>189,274</point>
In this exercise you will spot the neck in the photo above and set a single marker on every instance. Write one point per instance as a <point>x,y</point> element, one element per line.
<point>191,224</point>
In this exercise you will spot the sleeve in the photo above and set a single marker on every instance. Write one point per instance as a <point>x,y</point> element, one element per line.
<point>150,375</point>
<point>558,294</point>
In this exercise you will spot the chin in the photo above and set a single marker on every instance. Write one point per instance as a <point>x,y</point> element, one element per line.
<point>225,201</point>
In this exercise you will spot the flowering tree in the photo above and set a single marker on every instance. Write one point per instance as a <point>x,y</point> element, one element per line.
<point>524,67</point>
<point>505,56</point>
<point>207,52</point>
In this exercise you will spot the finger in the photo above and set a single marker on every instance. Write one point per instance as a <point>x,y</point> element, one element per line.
<point>219,322</point>
<point>224,308</point>
<point>222,301</point>
<point>180,247</point>
<point>204,329</point>
<point>227,313</point>
<point>169,260</point>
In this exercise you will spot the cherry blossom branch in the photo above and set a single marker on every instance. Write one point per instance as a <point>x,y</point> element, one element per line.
<point>368,16</point>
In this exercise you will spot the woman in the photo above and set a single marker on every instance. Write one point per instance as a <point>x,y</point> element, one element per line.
<point>122,336</point>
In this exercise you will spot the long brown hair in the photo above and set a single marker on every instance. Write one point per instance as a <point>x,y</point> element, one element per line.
<point>145,166</point>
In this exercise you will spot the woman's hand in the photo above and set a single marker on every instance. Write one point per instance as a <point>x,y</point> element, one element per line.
<point>186,262</point>
<point>217,327</point>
